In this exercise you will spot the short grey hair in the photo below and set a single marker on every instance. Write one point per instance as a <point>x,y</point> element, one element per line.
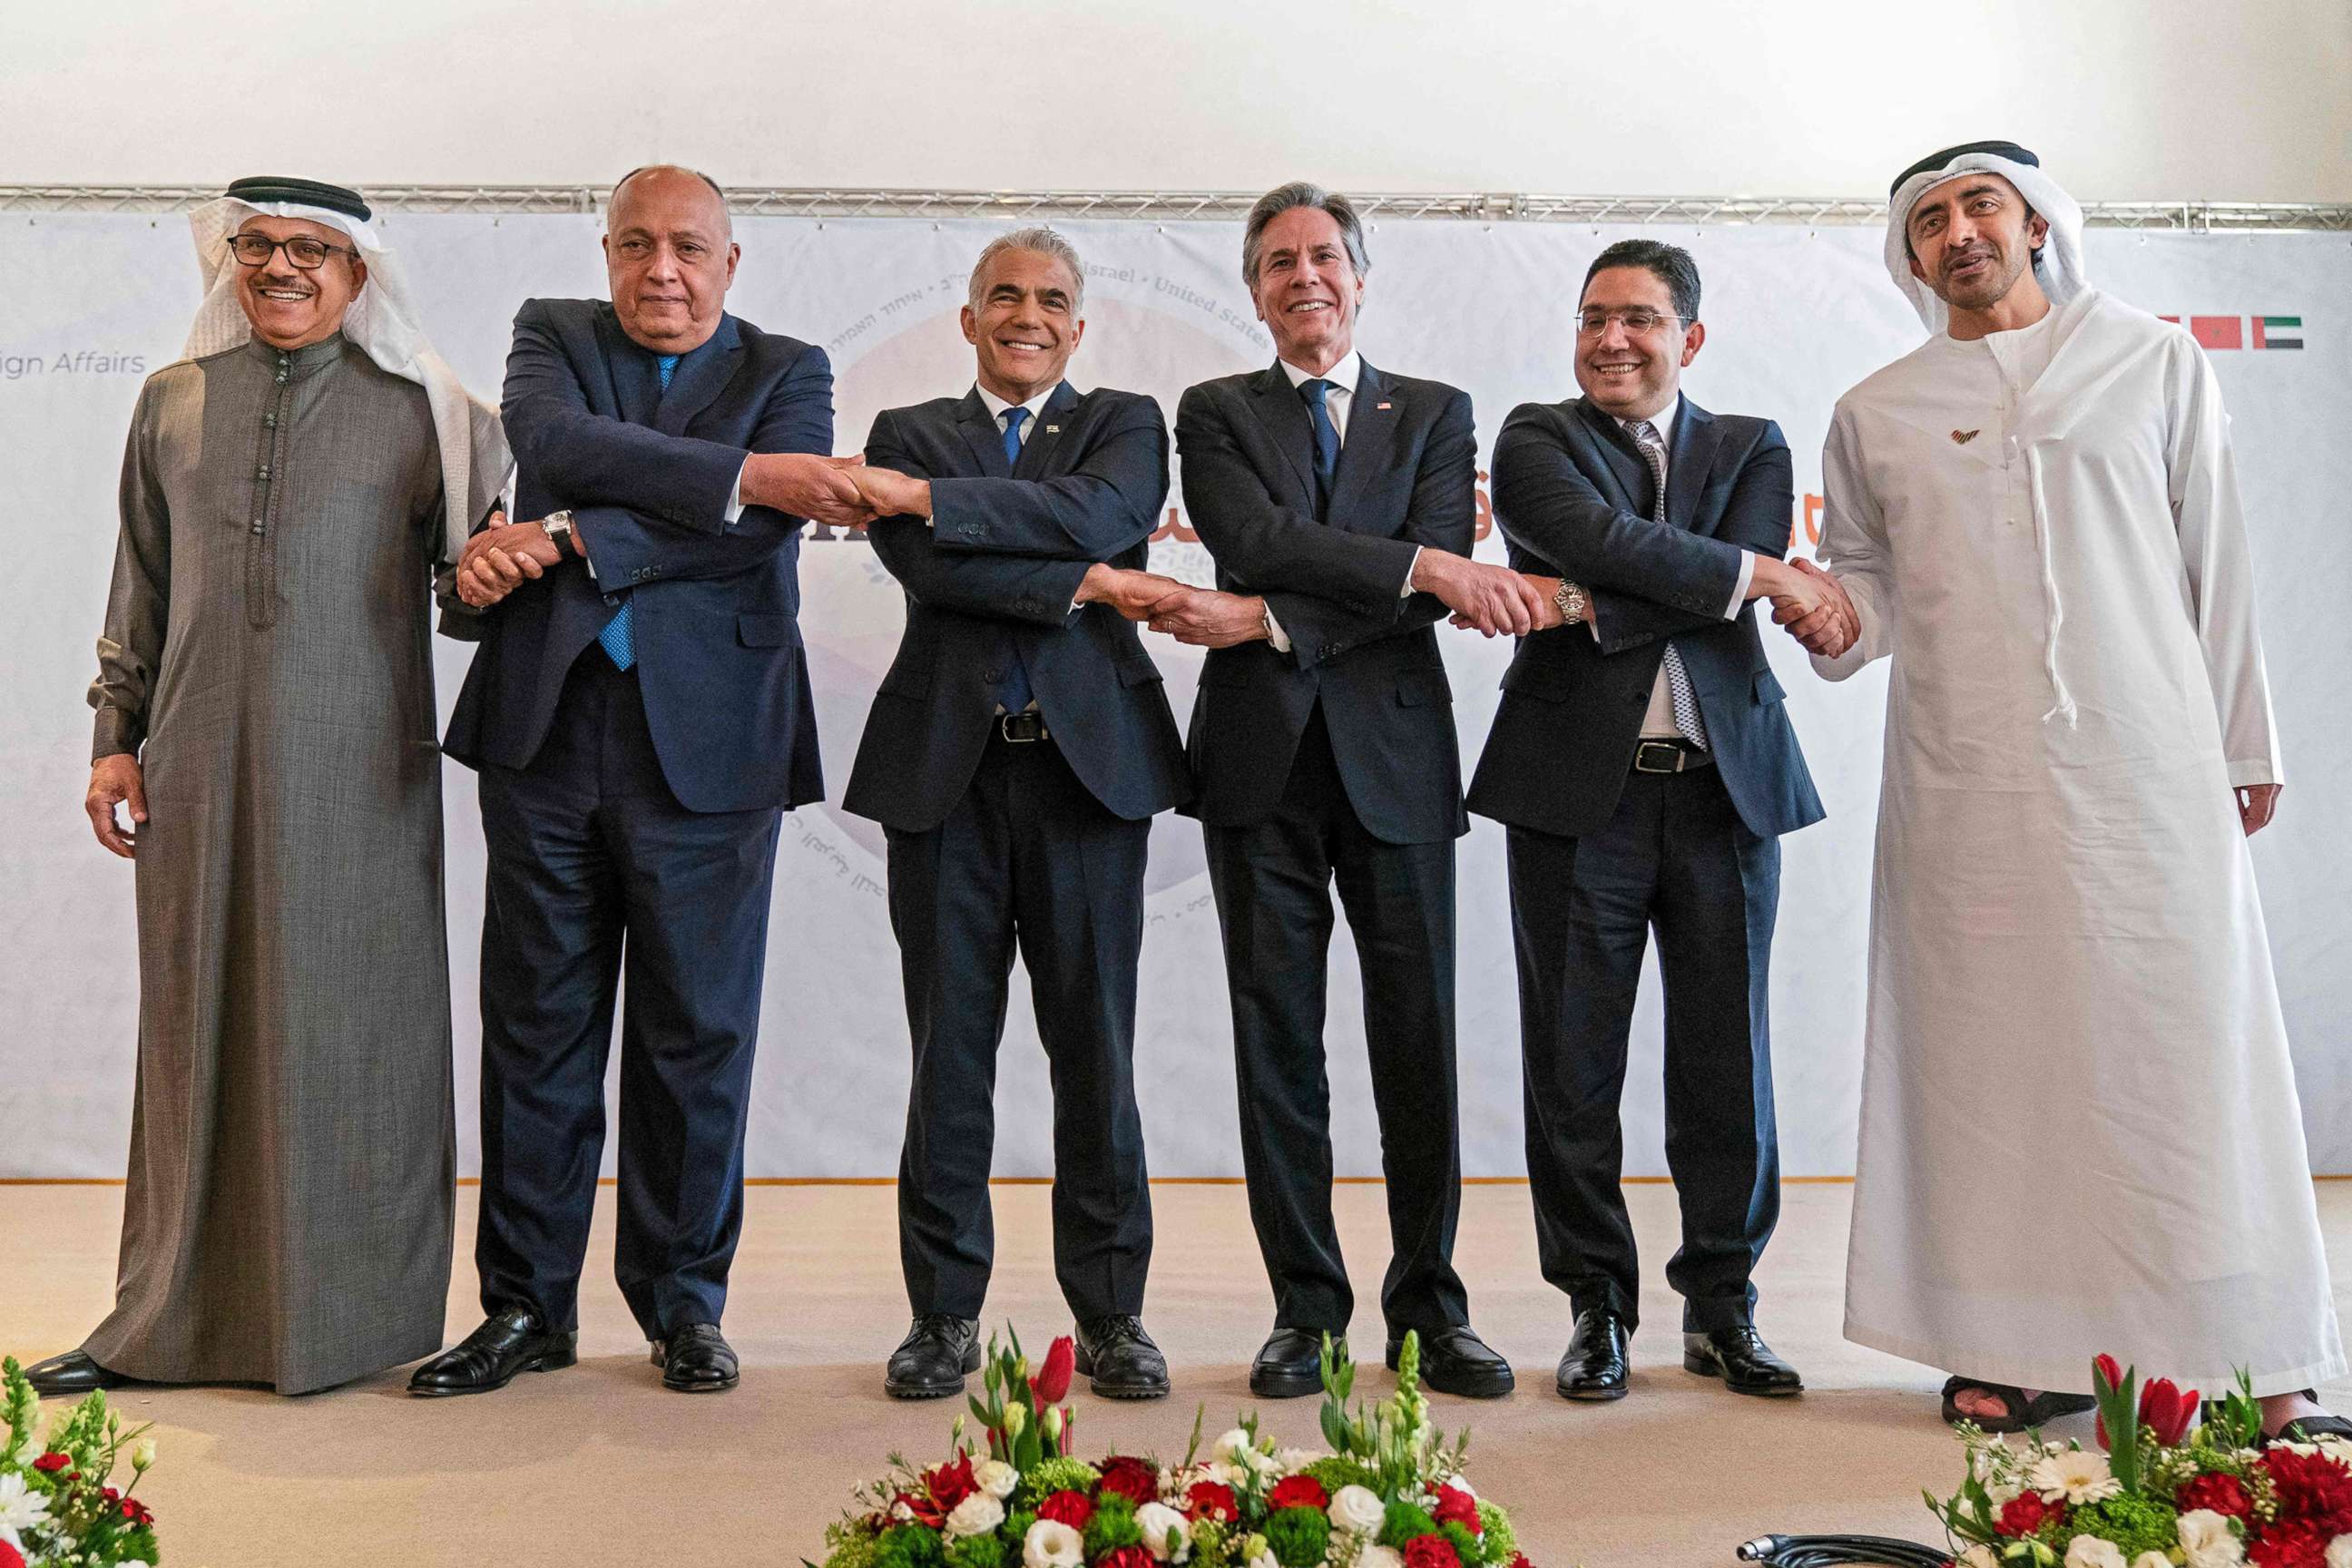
<point>1044,242</point>
<point>1302,194</point>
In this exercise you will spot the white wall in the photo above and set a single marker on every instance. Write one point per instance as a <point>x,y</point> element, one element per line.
<point>2128,99</point>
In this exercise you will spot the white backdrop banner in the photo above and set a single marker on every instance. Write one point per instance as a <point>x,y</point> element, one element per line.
<point>1794,317</point>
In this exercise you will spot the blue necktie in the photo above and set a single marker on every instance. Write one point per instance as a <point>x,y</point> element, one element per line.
<point>1326,438</point>
<point>618,639</point>
<point>1015,693</point>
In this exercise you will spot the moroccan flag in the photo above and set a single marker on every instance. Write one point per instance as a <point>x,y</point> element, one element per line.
<point>2278,332</point>
<point>2218,331</point>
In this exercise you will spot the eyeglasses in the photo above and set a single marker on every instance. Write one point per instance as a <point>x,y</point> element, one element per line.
<point>310,254</point>
<point>1592,323</point>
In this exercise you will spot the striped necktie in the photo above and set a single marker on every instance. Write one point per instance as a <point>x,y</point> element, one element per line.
<point>1014,693</point>
<point>1679,695</point>
<point>618,639</point>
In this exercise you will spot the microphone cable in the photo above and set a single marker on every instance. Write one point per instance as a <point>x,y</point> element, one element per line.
<point>1838,1551</point>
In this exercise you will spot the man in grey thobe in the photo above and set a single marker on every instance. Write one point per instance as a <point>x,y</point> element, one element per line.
<point>265,717</point>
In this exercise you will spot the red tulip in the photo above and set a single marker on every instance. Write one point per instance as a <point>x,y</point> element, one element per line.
<point>1053,1379</point>
<point>2109,1369</point>
<point>2165,1411</point>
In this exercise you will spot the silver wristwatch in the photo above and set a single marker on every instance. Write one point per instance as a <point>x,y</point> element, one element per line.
<point>1572,601</point>
<point>557,526</point>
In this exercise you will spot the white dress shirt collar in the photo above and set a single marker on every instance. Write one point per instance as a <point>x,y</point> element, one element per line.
<point>1342,377</point>
<point>1664,419</point>
<point>997,405</point>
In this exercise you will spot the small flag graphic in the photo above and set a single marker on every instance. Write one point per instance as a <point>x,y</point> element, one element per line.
<point>2218,331</point>
<point>2278,332</point>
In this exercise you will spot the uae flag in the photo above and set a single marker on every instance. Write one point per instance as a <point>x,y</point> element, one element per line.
<point>2277,333</point>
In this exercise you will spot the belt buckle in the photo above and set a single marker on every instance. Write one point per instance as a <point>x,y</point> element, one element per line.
<point>1642,753</point>
<point>1022,729</point>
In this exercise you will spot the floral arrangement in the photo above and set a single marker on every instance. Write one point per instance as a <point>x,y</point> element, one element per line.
<point>2154,1495</point>
<point>1389,1493</point>
<point>57,1509</point>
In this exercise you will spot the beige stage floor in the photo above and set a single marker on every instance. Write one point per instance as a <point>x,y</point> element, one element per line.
<point>599,1464</point>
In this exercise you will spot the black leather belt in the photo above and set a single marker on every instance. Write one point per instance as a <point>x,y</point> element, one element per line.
<point>1023,727</point>
<point>1670,757</point>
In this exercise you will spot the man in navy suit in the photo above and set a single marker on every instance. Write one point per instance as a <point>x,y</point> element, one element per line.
<point>1646,765</point>
<point>1015,755</point>
<point>639,712</point>
<point>1338,501</point>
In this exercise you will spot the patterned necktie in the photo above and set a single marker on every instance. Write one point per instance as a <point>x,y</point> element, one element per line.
<point>1678,685</point>
<point>618,639</point>
<point>1326,438</point>
<point>1014,692</point>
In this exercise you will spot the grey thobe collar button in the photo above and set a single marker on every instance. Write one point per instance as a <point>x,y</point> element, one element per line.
<point>269,419</point>
<point>264,473</point>
<point>256,525</point>
<point>281,378</point>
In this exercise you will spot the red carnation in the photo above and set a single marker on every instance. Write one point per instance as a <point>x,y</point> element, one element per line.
<point>1126,1557</point>
<point>134,1512</point>
<point>2312,1489</point>
<point>1431,1551</point>
<point>1053,1379</point>
<point>51,1464</point>
<point>1298,1492</point>
<point>2222,1494</point>
<point>2023,1514</point>
<point>1130,1478</point>
<point>2288,1544</point>
<point>950,1484</point>
<point>1519,1559</point>
<point>1067,1508</point>
<point>10,1557</point>
<point>1212,1499</point>
<point>1456,1506</point>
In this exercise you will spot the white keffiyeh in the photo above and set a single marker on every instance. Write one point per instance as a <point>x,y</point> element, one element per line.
<point>2058,264</point>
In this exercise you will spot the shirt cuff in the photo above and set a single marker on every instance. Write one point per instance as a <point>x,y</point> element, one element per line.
<point>1405,591</point>
<point>1740,589</point>
<point>1275,634</point>
<point>117,734</point>
<point>735,496</point>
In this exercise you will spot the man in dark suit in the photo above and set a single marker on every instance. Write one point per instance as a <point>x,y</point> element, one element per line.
<point>1015,755</point>
<point>1338,501</point>
<point>639,712</point>
<point>1646,765</point>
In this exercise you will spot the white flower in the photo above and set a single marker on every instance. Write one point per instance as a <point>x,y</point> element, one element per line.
<point>2076,1477</point>
<point>1164,1535</point>
<point>2208,1542</point>
<point>1979,1555</point>
<point>2090,1552</point>
<point>2151,1560</point>
<point>1380,1557</point>
<point>996,1478</point>
<point>1233,1445</point>
<point>20,1510</point>
<point>976,1515</point>
<point>142,1457</point>
<point>1017,1417</point>
<point>1264,1560</point>
<point>1294,1460</point>
<point>901,1511</point>
<point>2340,1552</point>
<point>1050,1543</point>
<point>1357,1508</point>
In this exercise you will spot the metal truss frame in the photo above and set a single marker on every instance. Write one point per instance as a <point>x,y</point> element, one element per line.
<point>1473,206</point>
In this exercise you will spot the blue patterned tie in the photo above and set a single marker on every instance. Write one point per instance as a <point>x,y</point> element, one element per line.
<point>618,639</point>
<point>1326,438</point>
<point>1015,693</point>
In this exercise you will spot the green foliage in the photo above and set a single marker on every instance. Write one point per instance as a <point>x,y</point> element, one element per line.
<point>1404,1522</point>
<point>1209,1536</point>
<point>911,1546</point>
<point>1051,1475</point>
<point>2135,1524</point>
<point>849,1545</point>
<point>1500,1540</point>
<point>1297,1536</point>
<point>1112,1527</point>
<point>986,1550</point>
<point>1016,1524</point>
<point>1465,1544</point>
<point>1338,1471</point>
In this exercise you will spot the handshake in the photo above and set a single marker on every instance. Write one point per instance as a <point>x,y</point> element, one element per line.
<point>1811,603</point>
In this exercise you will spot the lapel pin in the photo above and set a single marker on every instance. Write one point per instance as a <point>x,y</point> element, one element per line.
<point>1379,406</point>
<point>1962,437</point>
<point>1053,429</point>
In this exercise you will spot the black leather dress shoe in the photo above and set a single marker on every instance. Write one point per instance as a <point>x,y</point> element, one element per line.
<point>696,1359</point>
<point>1741,1357</point>
<point>516,1339</point>
<point>1118,1360</point>
<point>1455,1360</point>
<point>1594,1368</point>
<point>1290,1364</point>
<point>931,1361</point>
<point>71,1375</point>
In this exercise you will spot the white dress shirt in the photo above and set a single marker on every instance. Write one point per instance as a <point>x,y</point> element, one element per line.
<point>1338,399</point>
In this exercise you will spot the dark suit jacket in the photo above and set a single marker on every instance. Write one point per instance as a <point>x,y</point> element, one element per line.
<point>1406,477</point>
<point>994,574</point>
<point>648,474</point>
<point>1574,495</point>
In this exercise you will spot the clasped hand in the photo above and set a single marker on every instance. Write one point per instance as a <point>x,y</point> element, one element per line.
<point>1814,604</point>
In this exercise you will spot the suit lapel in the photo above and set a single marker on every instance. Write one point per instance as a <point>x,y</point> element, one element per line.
<point>1373,423</point>
<point>1687,463</point>
<point>698,377</point>
<point>1625,459</point>
<point>984,436</point>
<point>1278,409</point>
<point>1037,452</point>
<point>636,383</point>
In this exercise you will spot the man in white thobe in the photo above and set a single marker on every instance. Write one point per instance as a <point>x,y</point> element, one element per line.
<point>2079,1126</point>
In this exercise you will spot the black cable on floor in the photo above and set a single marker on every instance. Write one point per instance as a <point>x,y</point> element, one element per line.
<point>1834,1550</point>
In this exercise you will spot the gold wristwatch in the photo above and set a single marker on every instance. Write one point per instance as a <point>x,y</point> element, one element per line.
<point>1572,601</point>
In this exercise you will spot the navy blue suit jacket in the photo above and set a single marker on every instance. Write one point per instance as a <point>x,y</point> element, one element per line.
<point>1406,477</point>
<point>994,574</point>
<point>648,474</point>
<point>1574,495</point>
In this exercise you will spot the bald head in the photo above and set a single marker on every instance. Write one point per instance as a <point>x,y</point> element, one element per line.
<point>669,255</point>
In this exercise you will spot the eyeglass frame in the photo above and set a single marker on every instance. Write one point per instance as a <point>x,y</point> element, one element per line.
<point>1619,317</point>
<point>287,245</point>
